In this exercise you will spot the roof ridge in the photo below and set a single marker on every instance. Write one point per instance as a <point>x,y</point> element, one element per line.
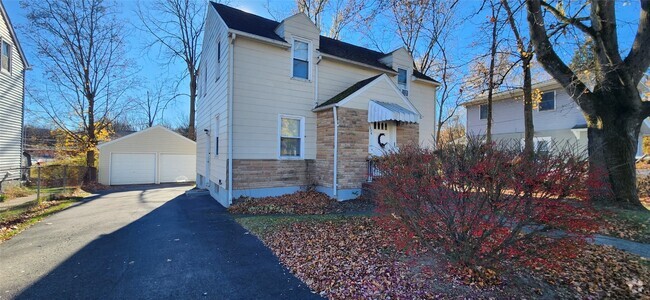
<point>243,11</point>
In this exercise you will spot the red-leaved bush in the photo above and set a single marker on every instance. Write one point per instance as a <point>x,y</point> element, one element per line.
<point>485,205</point>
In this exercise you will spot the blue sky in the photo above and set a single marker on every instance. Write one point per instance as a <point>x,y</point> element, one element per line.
<point>152,70</point>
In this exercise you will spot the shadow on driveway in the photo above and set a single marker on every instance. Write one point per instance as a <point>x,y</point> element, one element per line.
<point>186,248</point>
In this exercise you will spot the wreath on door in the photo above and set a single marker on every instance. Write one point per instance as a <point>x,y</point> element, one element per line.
<point>379,140</point>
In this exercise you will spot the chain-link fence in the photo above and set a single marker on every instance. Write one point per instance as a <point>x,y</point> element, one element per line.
<point>47,180</point>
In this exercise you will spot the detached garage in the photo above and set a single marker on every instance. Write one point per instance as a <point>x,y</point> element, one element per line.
<point>151,156</point>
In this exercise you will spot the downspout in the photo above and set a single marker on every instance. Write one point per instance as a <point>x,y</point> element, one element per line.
<point>316,80</point>
<point>231,83</point>
<point>336,152</point>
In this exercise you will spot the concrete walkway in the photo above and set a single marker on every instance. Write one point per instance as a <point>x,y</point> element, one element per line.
<point>639,249</point>
<point>7,204</point>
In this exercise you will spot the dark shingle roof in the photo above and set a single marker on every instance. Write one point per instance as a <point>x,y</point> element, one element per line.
<point>246,22</point>
<point>349,91</point>
<point>352,52</point>
<point>254,24</point>
<point>419,75</point>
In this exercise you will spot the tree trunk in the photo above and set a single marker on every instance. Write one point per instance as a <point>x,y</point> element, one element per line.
<point>191,131</point>
<point>619,149</point>
<point>529,127</point>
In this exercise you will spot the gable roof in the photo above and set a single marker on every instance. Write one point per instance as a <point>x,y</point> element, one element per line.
<point>135,134</point>
<point>253,24</point>
<point>4,14</point>
<point>349,91</point>
<point>359,87</point>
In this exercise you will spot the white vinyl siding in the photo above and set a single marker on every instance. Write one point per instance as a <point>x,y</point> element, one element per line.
<point>214,103</point>
<point>11,104</point>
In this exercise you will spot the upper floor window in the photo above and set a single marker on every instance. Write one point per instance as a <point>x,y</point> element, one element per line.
<point>483,112</point>
<point>217,67</point>
<point>291,133</point>
<point>5,56</point>
<point>548,101</point>
<point>402,74</point>
<point>300,59</point>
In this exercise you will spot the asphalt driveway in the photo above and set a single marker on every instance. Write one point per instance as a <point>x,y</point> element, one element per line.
<point>143,243</point>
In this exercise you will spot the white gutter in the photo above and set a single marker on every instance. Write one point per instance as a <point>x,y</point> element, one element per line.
<point>236,32</point>
<point>231,83</point>
<point>336,152</point>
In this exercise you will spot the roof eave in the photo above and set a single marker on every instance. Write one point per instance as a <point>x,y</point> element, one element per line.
<point>259,38</point>
<point>334,57</point>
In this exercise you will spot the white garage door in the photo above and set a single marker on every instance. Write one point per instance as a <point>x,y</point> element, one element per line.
<point>133,168</point>
<point>177,167</point>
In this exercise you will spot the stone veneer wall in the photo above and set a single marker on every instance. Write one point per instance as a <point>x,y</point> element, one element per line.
<point>353,147</point>
<point>266,173</point>
<point>407,133</point>
<point>324,165</point>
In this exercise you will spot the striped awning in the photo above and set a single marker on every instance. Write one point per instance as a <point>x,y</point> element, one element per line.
<point>382,111</point>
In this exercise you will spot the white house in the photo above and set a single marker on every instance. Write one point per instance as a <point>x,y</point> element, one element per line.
<point>557,119</point>
<point>12,82</point>
<point>151,156</point>
<point>281,107</point>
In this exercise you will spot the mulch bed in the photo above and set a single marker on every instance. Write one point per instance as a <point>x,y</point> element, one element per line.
<point>354,258</point>
<point>299,203</point>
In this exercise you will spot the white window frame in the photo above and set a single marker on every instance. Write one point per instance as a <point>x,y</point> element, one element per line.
<point>301,134</point>
<point>539,105</point>
<point>479,112</point>
<point>9,60</point>
<point>205,80</point>
<point>536,140</point>
<point>218,62</point>
<point>309,58</point>
<point>408,84</point>
<point>216,137</point>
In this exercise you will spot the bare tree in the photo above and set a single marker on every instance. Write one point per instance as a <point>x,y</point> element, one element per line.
<point>176,27</point>
<point>343,13</point>
<point>81,48</point>
<point>613,107</point>
<point>156,100</point>
<point>494,44</point>
<point>313,9</point>
<point>525,57</point>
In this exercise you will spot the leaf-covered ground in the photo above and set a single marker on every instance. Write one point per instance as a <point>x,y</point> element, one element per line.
<point>300,203</point>
<point>350,257</point>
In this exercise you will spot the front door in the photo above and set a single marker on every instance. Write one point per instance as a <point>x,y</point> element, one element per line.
<point>382,137</point>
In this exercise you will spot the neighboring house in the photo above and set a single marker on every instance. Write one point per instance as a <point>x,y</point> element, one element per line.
<point>557,119</point>
<point>281,107</point>
<point>12,79</point>
<point>151,156</point>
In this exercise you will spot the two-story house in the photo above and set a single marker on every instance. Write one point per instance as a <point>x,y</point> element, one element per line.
<point>12,82</point>
<point>557,118</point>
<point>282,108</point>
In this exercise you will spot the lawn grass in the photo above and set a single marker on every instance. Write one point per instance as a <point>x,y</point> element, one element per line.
<point>627,224</point>
<point>19,218</point>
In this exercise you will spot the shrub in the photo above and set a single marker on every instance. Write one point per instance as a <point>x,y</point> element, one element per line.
<point>484,205</point>
<point>17,192</point>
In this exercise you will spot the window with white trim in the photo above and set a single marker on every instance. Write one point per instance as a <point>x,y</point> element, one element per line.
<point>300,59</point>
<point>548,101</point>
<point>483,111</point>
<point>216,136</point>
<point>291,136</point>
<point>205,81</point>
<point>402,82</point>
<point>5,56</point>
<point>217,67</point>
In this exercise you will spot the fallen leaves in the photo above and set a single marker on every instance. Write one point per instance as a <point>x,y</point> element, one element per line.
<point>300,203</point>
